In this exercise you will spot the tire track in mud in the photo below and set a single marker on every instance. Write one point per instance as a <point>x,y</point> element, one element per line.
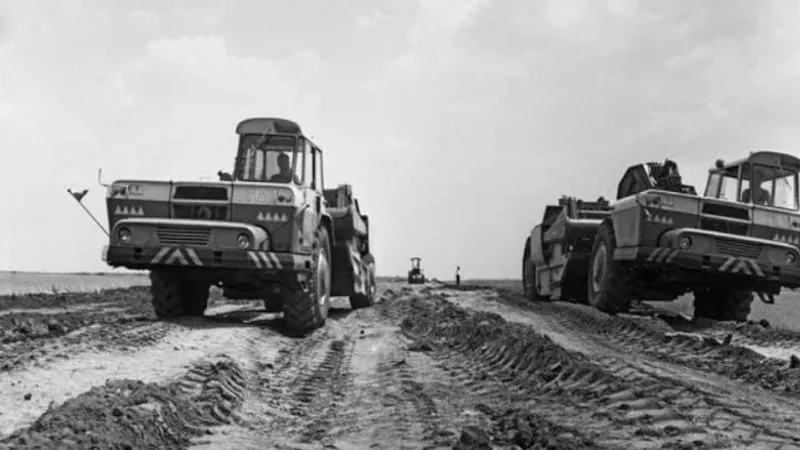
<point>412,417</point>
<point>322,391</point>
<point>134,414</point>
<point>391,404</point>
<point>617,401</point>
<point>295,397</point>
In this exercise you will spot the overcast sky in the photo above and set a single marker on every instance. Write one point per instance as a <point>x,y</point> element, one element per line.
<point>455,121</point>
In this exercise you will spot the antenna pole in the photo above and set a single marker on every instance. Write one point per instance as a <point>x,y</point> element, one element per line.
<point>78,196</point>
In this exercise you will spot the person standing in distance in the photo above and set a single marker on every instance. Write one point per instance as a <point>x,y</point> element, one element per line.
<point>458,276</point>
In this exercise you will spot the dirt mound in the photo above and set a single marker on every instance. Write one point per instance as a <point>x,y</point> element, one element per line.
<point>509,365</point>
<point>37,316</point>
<point>523,430</point>
<point>655,338</point>
<point>760,333</point>
<point>21,327</point>
<point>527,430</point>
<point>125,296</point>
<point>489,333</point>
<point>127,414</point>
<point>103,318</point>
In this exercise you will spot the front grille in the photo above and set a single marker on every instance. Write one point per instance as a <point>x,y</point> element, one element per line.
<point>738,248</point>
<point>724,226</point>
<point>179,235</point>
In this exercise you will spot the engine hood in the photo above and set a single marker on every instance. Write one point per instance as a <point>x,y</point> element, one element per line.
<point>208,192</point>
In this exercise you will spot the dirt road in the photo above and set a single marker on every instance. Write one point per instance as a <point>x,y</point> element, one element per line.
<point>428,367</point>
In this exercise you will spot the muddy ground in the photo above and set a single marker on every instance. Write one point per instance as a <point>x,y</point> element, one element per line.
<point>428,367</point>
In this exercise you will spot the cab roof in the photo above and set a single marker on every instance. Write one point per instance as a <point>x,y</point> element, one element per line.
<point>765,157</point>
<point>271,125</point>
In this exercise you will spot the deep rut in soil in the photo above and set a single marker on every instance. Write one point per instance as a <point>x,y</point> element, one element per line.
<point>639,407</point>
<point>656,339</point>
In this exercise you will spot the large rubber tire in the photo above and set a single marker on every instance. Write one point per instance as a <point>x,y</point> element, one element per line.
<point>273,303</point>
<point>305,311</point>
<point>173,297</point>
<point>722,304</point>
<point>529,280</point>
<point>194,297</point>
<point>166,292</point>
<point>358,301</point>
<point>607,288</point>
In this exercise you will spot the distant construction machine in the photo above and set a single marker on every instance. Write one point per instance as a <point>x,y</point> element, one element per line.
<point>416,275</point>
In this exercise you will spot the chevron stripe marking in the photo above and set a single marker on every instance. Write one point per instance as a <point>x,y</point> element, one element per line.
<point>724,267</point>
<point>177,256</point>
<point>255,259</point>
<point>193,256</point>
<point>160,255</point>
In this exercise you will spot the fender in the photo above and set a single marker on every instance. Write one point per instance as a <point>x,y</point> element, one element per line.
<point>536,253</point>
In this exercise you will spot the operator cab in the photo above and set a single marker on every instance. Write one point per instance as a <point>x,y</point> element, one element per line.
<point>763,178</point>
<point>274,150</point>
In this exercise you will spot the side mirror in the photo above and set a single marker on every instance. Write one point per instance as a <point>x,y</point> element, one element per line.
<point>224,176</point>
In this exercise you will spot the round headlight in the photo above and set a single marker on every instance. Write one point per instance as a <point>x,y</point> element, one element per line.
<point>243,240</point>
<point>684,242</point>
<point>791,257</point>
<point>124,235</point>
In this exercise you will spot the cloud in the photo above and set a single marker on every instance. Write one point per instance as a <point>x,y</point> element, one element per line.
<point>371,20</point>
<point>430,42</point>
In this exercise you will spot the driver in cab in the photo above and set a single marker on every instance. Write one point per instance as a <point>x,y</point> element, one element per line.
<point>756,194</point>
<point>285,175</point>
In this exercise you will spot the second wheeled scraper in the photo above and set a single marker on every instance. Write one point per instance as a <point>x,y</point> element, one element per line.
<point>660,240</point>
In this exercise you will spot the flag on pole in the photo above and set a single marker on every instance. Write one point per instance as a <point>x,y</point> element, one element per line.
<point>78,195</point>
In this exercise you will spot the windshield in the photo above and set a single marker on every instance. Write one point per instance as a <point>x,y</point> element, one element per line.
<point>269,158</point>
<point>761,185</point>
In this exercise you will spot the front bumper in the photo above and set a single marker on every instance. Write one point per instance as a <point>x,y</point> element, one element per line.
<point>135,256</point>
<point>653,257</point>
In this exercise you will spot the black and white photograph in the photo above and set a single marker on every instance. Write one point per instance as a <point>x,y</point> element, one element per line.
<point>400,224</point>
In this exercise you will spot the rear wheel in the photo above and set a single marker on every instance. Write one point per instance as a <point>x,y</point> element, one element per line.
<point>305,311</point>
<point>358,301</point>
<point>607,287</point>
<point>722,304</point>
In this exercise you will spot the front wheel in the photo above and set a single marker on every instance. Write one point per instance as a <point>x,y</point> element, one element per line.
<point>174,297</point>
<point>722,304</point>
<point>607,287</point>
<point>307,310</point>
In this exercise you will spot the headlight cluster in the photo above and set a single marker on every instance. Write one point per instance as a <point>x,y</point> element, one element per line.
<point>791,257</point>
<point>243,241</point>
<point>124,235</point>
